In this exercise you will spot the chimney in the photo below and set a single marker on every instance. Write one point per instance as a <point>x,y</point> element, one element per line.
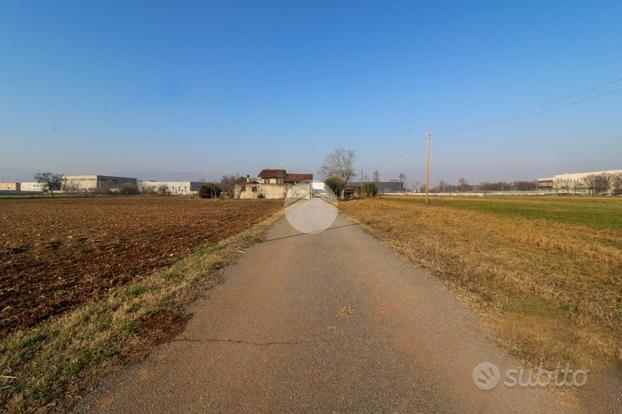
<point>248,178</point>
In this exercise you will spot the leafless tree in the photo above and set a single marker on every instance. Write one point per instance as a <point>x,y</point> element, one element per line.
<point>596,183</point>
<point>163,190</point>
<point>376,176</point>
<point>402,177</point>
<point>463,184</point>
<point>51,181</point>
<point>227,184</point>
<point>616,184</point>
<point>339,163</point>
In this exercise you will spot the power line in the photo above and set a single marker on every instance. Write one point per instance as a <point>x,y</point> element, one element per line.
<point>504,121</point>
<point>512,116</point>
<point>402,155</point>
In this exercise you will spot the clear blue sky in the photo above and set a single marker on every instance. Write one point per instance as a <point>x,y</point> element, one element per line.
<point>199,89</point>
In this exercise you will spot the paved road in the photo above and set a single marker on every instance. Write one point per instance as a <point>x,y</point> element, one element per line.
<point>328,322</point>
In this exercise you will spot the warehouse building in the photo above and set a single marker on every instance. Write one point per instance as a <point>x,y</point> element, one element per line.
<point>576,183</point>
<point>77,183</point>
<point>9,186</point>
<point>170,187</point>
<point>31,186</point>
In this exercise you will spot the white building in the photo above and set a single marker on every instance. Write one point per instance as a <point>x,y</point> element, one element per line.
<point>95,182</point>
<point>575,182</point>
<point>170,187</point>
<point>31,186</point>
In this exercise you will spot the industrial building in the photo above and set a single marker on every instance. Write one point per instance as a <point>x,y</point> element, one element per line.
<point>170,187</point>
<point>77,183</point>
<point>9,186</point>
<point>575,182</point>
<point>31,186</point>
<point>272,184</point>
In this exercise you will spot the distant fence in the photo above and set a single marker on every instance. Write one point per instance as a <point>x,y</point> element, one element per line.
<point>491,193</point>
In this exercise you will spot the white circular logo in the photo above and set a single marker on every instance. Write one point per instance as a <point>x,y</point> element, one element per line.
<point>310,207</point>
<point>486,376</point>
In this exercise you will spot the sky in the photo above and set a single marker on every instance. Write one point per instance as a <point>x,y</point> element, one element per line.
<point>189,90</point>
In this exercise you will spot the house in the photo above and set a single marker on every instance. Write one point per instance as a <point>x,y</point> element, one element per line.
<point>271,183</point>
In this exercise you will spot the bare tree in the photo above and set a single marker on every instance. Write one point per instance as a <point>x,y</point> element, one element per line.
<point>596,183</point>
<point>402,177</point>
<point>339,163</point>
<point>376,176</point>
<point>163,190</point>
<point>616,184</point>
<point>51,181</point>
<point>228,182</point>
<point>462,184</point>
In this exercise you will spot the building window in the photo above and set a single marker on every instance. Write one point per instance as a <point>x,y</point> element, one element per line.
<point>254,188</point>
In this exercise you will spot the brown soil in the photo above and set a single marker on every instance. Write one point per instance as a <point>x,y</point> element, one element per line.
<point>56,254</point>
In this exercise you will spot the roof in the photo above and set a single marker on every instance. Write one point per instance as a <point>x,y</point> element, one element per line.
<point>272,174</point>
<point>296,178</point>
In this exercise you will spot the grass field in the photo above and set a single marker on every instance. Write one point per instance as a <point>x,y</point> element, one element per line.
<point>89,284</point>
<point>545,273</point>
<point>598,213</point>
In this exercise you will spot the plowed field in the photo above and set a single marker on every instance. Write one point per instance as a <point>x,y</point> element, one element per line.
<point>56,254</point>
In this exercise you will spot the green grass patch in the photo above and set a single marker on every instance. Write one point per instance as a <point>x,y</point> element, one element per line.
<point>598,213</point>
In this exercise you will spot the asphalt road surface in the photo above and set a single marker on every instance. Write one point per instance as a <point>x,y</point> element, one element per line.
<point>329,322</point>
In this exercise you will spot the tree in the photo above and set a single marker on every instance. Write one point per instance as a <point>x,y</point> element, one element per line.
<point>336,184</point>
<point>129,189</point>
<point>463,184</point>
<point>596,183</point>
<point>51,182</point>
<point>376,176</point>
<point>339,163</point>
<point>616,184</point>
<point>163,190</point>
<point>228,182</point>
<point>402,177</point>
<point>526,185</point>
<point>370,190</point>
<point>209,190</point>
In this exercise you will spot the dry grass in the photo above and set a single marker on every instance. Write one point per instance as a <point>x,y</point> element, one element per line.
<point>48,366</point>
<point>552,291</point>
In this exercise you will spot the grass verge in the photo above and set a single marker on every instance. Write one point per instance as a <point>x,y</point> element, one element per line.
<point>49,366</point>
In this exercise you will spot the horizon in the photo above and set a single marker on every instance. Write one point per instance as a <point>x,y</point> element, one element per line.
<point>163,92</point>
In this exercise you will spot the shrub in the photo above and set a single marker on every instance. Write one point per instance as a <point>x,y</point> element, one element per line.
<point>335,183</point>
<point>129,189</point>
<point>370,190</point>
<point>261,195</point>
<point>209,190</point>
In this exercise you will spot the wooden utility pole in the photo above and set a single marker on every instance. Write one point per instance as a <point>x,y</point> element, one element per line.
<point>427,170</point>
<point>362,183</point>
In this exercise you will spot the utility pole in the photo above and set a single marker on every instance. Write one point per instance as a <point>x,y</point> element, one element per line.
<point>427,170</point>
<point>362,183</point>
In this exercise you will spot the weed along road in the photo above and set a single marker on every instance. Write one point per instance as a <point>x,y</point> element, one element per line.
<point>326,322</point>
